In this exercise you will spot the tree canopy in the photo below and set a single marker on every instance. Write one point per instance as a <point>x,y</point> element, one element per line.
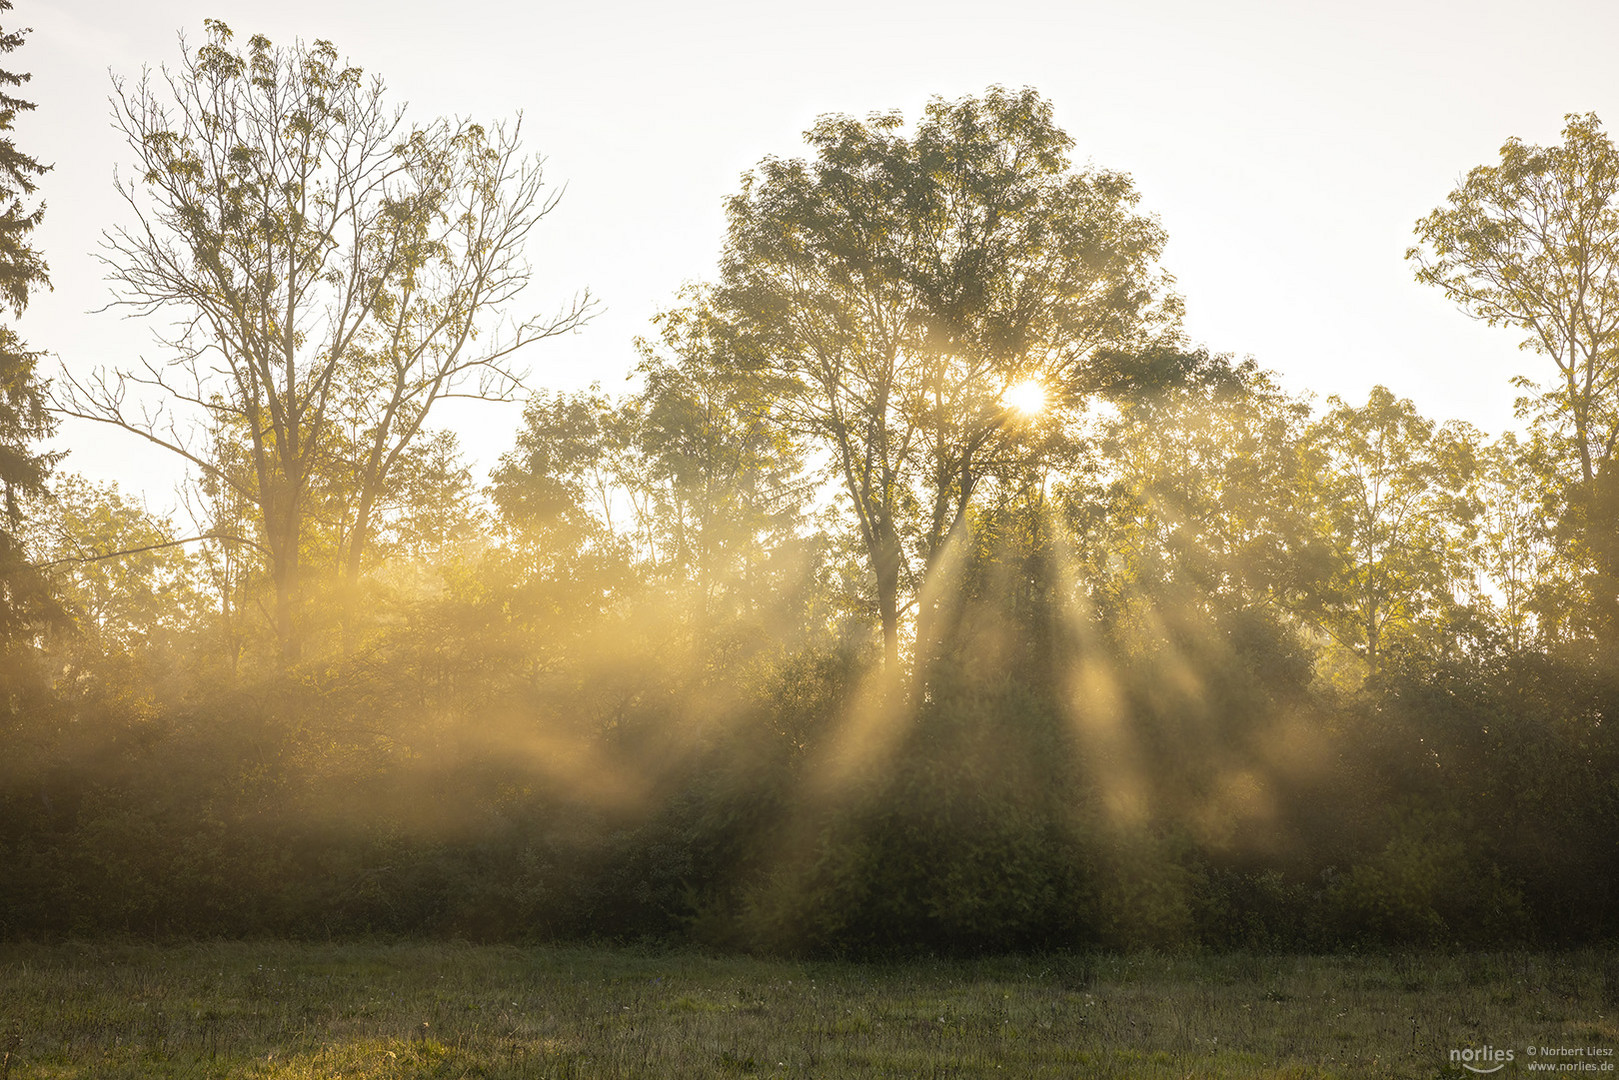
<point>1533,243</point>
<point>896,286</point>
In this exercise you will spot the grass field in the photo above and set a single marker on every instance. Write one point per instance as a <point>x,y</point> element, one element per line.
<point>420,1010</point>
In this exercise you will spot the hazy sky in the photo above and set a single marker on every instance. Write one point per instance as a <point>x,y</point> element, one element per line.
<point>1287,148</point>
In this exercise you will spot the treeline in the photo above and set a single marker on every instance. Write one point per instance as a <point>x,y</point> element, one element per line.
<point>1143,718</point>
<point>929,592</point>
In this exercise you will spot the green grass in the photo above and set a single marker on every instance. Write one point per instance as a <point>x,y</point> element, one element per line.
<point>434,1010</point>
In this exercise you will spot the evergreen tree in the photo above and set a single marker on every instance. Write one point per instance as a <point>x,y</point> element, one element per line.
<point>24,598</point>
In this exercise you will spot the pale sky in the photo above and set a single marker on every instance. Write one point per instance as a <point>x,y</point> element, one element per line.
<point>1286,147</point>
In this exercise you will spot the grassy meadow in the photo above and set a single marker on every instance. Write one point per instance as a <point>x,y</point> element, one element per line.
<point>419,1010</point>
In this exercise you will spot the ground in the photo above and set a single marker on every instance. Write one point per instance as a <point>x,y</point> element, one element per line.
<point>436,1010</point>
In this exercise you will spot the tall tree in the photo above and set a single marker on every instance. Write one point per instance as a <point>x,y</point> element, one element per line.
<point>1533,243</point>
<point>1395,497</point>
<point>334,273</point>
<point>24,597</point>
<point>895,288</point>
<point>1199,488</point>
<point>1526,582</point>
<point>725,477</point>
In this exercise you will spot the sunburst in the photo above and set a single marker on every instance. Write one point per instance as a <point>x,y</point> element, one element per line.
<point>1027,397</point>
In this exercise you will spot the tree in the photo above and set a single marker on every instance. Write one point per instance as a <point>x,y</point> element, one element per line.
<point>124,578</point>
<point>895,288</point>
<point>25,600</point>
<point>1533,243</point>
<point>725,478</point>
<point>1529,586</point>
<point>1199,489</point>
<point>691,477</point>
<point>555,490</point>
<point>333,271</point>
<point>433,510</point>
<point>1596,516</point>
<point>1395,499</point>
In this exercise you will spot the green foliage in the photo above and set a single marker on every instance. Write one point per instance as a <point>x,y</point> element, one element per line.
<point>963,844</point>
<point>26,604</point>
<point>1199,489</point>
<point>893,289</point>
<point>1533,243</point>
<point>1590,525</point>
<point>22,268</point>
<point>115,565</point>
<point>1396,494</point>
<point>1426,887</point>
<point>557,491</point>
<point>1168,664</point>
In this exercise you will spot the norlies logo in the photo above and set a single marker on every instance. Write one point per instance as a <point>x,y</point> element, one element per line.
<point>1484,1059</point>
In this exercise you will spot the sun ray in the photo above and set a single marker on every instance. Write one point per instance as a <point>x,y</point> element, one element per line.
<point>1094,700</point>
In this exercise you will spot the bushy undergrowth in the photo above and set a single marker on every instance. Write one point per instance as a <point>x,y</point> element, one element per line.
<point>799,803</point>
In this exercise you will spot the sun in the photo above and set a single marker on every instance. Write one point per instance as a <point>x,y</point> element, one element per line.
<point>1027,397</point>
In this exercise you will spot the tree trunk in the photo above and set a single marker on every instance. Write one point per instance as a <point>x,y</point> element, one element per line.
<point>359,537</point>
<point>885,564</point>
<point>282,535</point>
<point>284,568</point>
